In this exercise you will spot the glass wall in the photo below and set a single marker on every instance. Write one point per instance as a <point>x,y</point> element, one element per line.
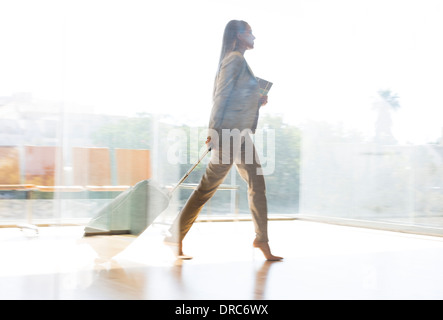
<point>96,96</point>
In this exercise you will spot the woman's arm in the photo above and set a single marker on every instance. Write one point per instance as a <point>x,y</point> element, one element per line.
<point>226,79</point>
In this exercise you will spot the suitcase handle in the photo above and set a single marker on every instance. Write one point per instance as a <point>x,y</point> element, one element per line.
<point>189,171</point>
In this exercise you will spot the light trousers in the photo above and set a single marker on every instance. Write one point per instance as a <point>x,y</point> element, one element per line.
<point>246,160</point>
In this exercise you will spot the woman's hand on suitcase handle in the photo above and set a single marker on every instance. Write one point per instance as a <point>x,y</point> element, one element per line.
<point>208,143</point>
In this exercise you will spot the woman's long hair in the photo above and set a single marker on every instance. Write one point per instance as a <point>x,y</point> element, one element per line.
<point>230,40</point>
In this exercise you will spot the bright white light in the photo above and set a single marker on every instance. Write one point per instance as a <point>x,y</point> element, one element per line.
<point>327,59</point>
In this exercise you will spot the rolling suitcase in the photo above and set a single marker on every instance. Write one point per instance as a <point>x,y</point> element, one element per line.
<point>135,209</point>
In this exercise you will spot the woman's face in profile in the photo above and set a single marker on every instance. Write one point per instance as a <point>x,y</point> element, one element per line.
<point>247,38</point>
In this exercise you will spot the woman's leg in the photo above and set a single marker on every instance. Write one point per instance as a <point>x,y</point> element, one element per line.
<point>251,172</point>
<point>213,177</point>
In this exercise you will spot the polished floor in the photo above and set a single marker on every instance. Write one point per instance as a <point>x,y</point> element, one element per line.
<point>322,261</point>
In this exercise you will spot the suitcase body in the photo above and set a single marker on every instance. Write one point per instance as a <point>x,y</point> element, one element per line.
<point>135,209</point>
<point>132,211</point>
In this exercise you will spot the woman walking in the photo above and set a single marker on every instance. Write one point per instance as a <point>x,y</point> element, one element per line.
<point>236,104</point>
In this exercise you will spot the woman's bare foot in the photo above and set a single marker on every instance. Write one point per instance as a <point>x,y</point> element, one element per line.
<point>264,247</point>
<point>177,248</point>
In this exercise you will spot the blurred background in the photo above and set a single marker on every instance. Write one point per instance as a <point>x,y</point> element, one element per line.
<point>92,94</point>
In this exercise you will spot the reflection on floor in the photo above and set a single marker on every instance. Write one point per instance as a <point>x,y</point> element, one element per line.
<point>321,262</point>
